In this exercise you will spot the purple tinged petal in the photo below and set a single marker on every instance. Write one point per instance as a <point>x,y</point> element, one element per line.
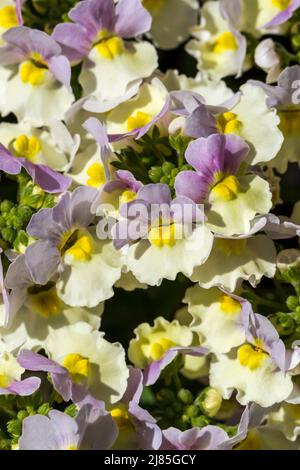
<point>73,39</point>
<point>208,438</point>
<point>132,19</point>
<point>11,55</point>
<point>94,16</point>
<point>60,68</point>
<point>123,180</point>
<point>32,40</point>
<point>185,103</point>
<point>8,163</point>
<point>283,16</point>
<point>42,226</point>
<point>192,186</point>
<point>153,371</point>
<point>42,260</point>
<point>22,388</point>
<point>82,199</point>
<point>36,362</point>
<point>19,4</point>
<point>201,123</point>
<point>93,105</point>
<point>49,180</point>
<point>4,293</point>
<point>134,386</point>
<point>155,194</point>
<point>148,432</point>
<point>96,428</point>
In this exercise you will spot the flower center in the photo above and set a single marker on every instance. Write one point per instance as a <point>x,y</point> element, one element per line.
<point>229,306</point>
<point>225,42</point>
<point>290,122</point>
<point>78,366</point>
<point>96,175</point>
<point>120,416</point>
<point>140,119</point>
<point>82,249</point>
<point>32,73</point>
<point>111,47</point>
<point>281,4</point>
<point>27,147</point>
<point>45,303</point>
<point>159,348</point>
<point>231,247</point>
<point>153,5</point>
<point>252,356</point>
<point>127,196</point>
<point>5,381</point>
<point>8,17</point>
<point>163,235</point>
<point>227,189</point>
<point>227,123</point>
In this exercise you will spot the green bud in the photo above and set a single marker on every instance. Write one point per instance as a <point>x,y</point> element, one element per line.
<point>17,223</point>
<point>199,421</point>
<point>6,206</point>
<point>295,40</point>
<point>71,410</point>
<point>14,427</point>
<point>192,411</point>
<point>167,167</point>
<point>174,172</point>
<point>209,401</point>
<point>24,213</point>
<point>147,161</point>
<point>185,396</point>
<point>165,180</point>
<point>21,242</point>
<point>2,222</point>
<point>155,173</point>
<point>8,234</point>
<point>297,310</point>
<point>22,414</point>
<point>44,409</point>
<point>288,264</point>
<point>292,302</point>
<point>165,395</point>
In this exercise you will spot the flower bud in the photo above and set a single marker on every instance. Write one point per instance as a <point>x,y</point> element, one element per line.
<point>292,302</point>
<point>267,58</point>
<point>209,401</point>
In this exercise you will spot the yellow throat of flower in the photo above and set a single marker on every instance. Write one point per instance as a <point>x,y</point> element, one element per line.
<point>281,4</point>
<point>153,6</point>
<point>8,17</point>
<point>160,347</point>
<point>139,119</point>
<point>32,74</point>
<point>127,196</point>
<point>5,381</point>
<point>228,123</point>
<point>289,122</point>
<point>163,235</point>
<point>227,188</point>
<point>252,356</point>
<point>229,306</point>
<point>120,416</point>
<point>231,247</point>
<point>96,175</point>
<point>45,303</point>
<point>78,366</point>
<point>27,147</point>
<point>109,47</point>
<point>82,249</point>
<point>225,42</point>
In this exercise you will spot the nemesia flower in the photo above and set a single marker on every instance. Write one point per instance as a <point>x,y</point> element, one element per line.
<point>258,363</point>
<point>69,247</point>
<point>219,48</point>
<point>158,230</point>
<point>90,430</point>
<point>234,197</point>
<point>267,58</point>
<point>37,88</point>
<point>10,16</point>
<point>247,116</point>
<point>207,438</point>
<point>101,30</point>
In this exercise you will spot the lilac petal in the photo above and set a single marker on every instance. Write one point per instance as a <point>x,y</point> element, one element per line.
<point>96,428</point>
<point>82,199</point>
<point>42,260</point>
<point>36,362</point>
<point>283,16</point>
<point>73,40</point>
<point>277,96</point>
<point>201,123</point>
<point>185,211</point>
<point>208,438</point>
<point>94,16</point>
<point>123,180</point>
<point>49,180</point>
<point>63,385</point>
<point>231,11</point>
<point>218,153</point>
<point>97,130</point>
<point>148,432</point>
<point>155,194</point>
<point>42,226</point>
<point>93,105</point>
<point>281,228</point>
<point>9,55</point>
<point>184,102</point>
<point>8,163</point>
<point>60,67</point>
<point>192,186</point>
<point>22,388</point>
<point>132,19</point>
<point>153,371</point>
<point>19,4</point>
<point>32,40</point>
<point>134,386</point>
<point>126,231</point>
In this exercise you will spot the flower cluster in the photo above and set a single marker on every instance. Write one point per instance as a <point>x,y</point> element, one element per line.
<point>149,224</point>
